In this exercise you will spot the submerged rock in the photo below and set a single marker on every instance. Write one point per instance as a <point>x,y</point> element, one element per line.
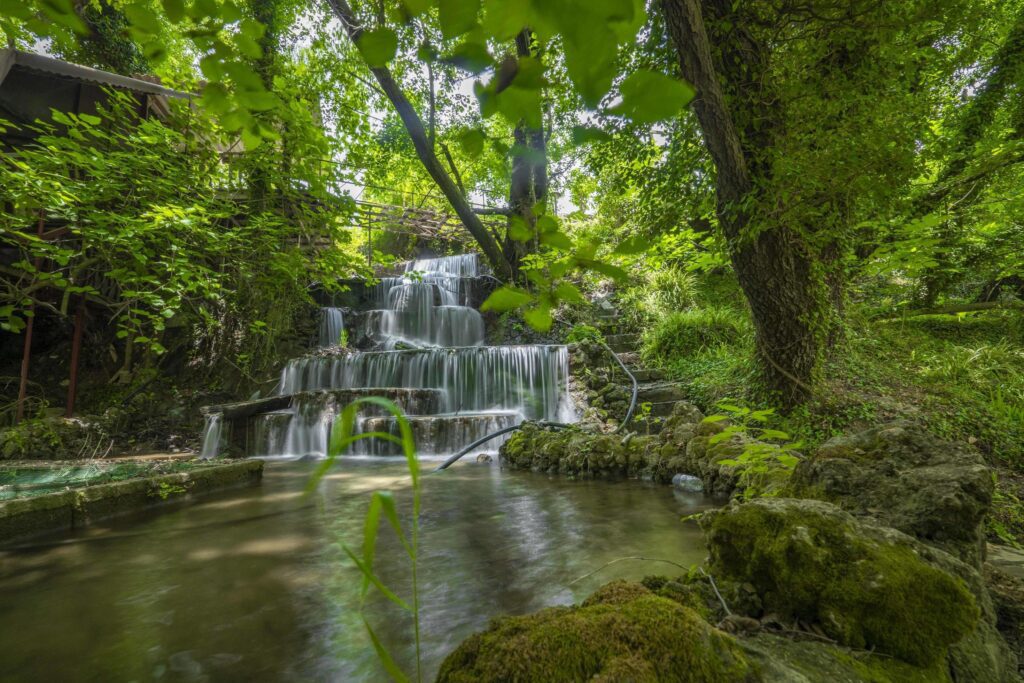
<point>688,483</point>
<point>811,562</point>
<point>901,476</point>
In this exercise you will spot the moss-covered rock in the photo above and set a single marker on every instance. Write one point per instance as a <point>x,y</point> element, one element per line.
<point>1007,593</point>
<point>583,454</point>
<point>901,476</point>
<point>621,633</point>
<point>810,561</point>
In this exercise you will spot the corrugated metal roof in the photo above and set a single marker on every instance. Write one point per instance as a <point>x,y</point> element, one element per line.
<point>10,58</point>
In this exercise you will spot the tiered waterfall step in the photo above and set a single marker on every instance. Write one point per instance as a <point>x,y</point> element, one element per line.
<point>415,337</point>
<point>440,434</point>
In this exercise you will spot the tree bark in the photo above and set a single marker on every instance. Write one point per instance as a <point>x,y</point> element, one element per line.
<point>529,184</point>
<point>774,266</point>
<point>424,150</point>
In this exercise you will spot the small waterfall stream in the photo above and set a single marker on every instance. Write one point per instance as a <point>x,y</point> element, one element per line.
<point>425,351</point>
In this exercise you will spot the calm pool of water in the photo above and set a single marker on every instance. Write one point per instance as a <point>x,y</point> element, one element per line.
<point>253,584</point>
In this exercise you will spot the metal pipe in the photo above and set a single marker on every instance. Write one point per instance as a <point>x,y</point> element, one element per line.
<point>554,425</point>
<point>636,388</point>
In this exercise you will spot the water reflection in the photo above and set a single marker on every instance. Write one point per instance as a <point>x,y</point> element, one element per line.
<point>252,585</point>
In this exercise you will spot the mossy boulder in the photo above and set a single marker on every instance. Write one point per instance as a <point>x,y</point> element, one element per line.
<point>583,454</point>
<point>901,476</point>
<point>864,586</point>
<point>1007,593</point>
<point>623,632</point>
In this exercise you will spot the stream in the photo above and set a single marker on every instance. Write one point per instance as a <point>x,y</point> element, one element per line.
<point>252,584</point>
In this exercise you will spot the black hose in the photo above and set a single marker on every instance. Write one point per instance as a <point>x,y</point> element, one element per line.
<point>450,461</point>
<point>554,425</point>
<point>636,388</point>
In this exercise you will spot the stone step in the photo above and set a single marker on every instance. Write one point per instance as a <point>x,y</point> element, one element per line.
<point>661,408</point>
<point>623,342</point>
<point>660,392</point>
<point>630,359</point>
<point>647,374</point>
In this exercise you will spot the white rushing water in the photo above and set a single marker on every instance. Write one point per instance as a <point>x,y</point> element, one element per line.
<point>212,435</point>
<point>332,324</point>
<point>428,355</point>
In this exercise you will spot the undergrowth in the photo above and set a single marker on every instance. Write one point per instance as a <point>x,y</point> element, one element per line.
<point>961,376</point>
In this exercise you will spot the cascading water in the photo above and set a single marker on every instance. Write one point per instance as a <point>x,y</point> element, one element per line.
<point>428,356</point>
<point>332,324</point>
<point>212,435</point>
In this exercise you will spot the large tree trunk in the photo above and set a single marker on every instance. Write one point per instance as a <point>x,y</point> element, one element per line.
<point>424,150</point>
<point>774,266</point>
<point>529,183</point>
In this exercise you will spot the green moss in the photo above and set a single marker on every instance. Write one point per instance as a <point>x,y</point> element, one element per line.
<point>622,633</point>
<point>812,562</point>
<point>786,659</point>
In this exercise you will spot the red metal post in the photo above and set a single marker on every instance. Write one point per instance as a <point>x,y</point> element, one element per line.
<point>76,347</point>
<point>26,354</point>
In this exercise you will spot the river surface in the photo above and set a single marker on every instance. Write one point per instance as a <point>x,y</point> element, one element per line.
<point>252,585</point>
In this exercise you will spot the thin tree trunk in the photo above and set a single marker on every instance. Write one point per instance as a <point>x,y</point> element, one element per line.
<point>774,266</point>
<point>418,134</point>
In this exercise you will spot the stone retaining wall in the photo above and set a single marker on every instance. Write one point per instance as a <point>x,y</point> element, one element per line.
<point>73,509</point>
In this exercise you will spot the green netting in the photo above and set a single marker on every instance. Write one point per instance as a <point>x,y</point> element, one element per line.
<point>30,480</point>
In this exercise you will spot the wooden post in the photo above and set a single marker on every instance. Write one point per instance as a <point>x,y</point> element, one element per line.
<point>76,347</point>
<point>26,354</point>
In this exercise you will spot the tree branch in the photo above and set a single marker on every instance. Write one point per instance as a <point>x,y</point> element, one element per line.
<point>415,128</point>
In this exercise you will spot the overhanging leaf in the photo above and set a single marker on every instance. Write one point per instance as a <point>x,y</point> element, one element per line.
<point>505,299</point>
<point>649,96</point>
<point>378,46</point>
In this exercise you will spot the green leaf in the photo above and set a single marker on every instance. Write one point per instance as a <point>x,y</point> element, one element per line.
<point>175,10</point>
<point>458,16</point>
<point>634,245</point>
<point>558,240</point>
<point>375,580</point>
<point>607,269</point>
<point>414,8</point>
<point>539,318</point>
<point>566,291</point>
<point>519,230</point>
<point>584,134</point>
<point>378,46</point>
<point>505,299</point>
<point>142,19</point>
<point>472,142</point>
<point>470,55</point>
<point>714,418</point>
<point>248,46</point>
<point>384,656</point>
<point>649,96</point>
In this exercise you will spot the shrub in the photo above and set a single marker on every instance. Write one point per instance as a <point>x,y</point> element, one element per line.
<point>581,333</point>
<point>690,332</point>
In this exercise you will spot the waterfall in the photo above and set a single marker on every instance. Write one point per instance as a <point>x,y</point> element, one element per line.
<point>531,379</point>
<point>427,354</point>
<point>212,434</point>
<point>332,324</point>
